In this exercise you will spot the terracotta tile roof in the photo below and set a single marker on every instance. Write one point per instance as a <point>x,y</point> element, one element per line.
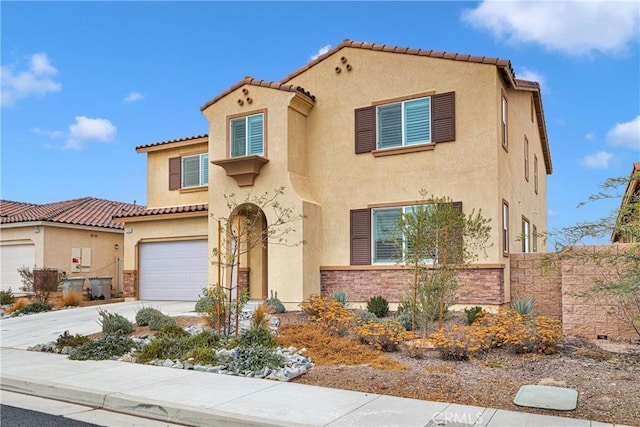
<point>503,64</point>
<point>204,207</point>
<point>172,141</point>
<point>87,211</point>
<point>248,80</point>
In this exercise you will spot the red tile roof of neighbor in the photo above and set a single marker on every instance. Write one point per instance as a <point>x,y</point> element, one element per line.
<point>171,141</point>
<point>86,211</point>
<point>204,207</point>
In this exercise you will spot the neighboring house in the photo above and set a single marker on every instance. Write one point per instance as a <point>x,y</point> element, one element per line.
<point>353,136</point>
<point>77,237</point>
<point>629,213</point>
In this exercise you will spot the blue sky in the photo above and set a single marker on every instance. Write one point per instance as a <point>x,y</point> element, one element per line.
<point>84,83</point>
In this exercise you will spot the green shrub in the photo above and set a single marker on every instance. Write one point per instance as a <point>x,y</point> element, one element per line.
<point>114,323</point>
<point>68,340</point>
<point>406,321</point>
<point>6,297</point>
<point>252,359</point>
<point>111,345</point>
<point>524,306</point>
<point>378,305</point>
<point>341,297</point>
<point>275,305</point>
<point>256,337</point>
<point>166,344</point>
<point>34,307</point>
<point>143,316</point>
<point>171,331</point>
<point>473,313</point>
<point>363,316</point>
<point>156,322</point>
<point>206,303</point>
<point>202,355</point>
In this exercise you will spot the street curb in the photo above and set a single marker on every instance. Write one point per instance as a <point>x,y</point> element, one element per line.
<point>140,407</point>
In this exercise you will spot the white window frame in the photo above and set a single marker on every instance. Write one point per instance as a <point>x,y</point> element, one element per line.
<point>203,170</point>
<point>504,124</point>
<point>248,151</point>
<point>403,123</point>
<point>505,227</point>
<point>526,235</point>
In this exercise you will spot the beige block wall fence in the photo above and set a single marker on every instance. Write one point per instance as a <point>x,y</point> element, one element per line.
<point>555,291</point>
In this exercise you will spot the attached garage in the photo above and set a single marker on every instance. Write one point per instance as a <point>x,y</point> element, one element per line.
<point>13,257</point>
<point>175,271</point>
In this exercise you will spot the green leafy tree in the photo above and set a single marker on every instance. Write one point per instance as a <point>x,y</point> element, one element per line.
<point>438,241</point>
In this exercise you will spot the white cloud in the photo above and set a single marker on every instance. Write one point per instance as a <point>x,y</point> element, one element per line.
<point>573,27</point>
<point>36,80</point>
<point>86,129</point>
<point>133,97</point>
<point>324,49</point>
<point>599,160</point>
<point>591,136</point>
<point>625,134</point>
<point>50,133</point>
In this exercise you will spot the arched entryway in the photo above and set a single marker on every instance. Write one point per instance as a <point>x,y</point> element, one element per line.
<point>249,249</point>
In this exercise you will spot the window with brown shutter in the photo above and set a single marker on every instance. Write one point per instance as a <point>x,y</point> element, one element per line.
<point>360,232</point>
<point>175,173</point>
<point>443,117</point>
<point>365,127</point>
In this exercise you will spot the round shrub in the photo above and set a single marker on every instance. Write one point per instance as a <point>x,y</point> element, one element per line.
<point>378,305</point>
<point>275,305</point>
<point>158,321</point>
<point>144,315</point>
<point>114,323</point>
<point>364,316</point>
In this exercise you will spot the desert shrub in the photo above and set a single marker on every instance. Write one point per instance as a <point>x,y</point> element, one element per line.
<point>159,321</point>
<point>171,331</point>
<point>524,306</point>
<point>341,297</point>
<point>215,303</point>
<point>473,313</point>
<point>378,305</point>
<point>274,305</point>
<point>202,355</point>
<point>39,283</point>
<point>328,312</point>
<point>363,316</point>
<point>68,340</point>
<point>34,307</point>
<point>114,323</point>
<point>106,347</point>
<point>405,320</point>
<point>460,342</point>
<point>326,349</point>
<point>206,302</point>
<point>256,336</point>
<point>18,305</point>
<point>251,359</point>
<point>6,297</point>
<point>260,318</point>
<point>385,336</point>
<point>72,299</point>
<point>144,315</point>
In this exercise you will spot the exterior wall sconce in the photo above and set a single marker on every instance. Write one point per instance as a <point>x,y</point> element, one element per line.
<point>116,246</point>
<point>36,229</point>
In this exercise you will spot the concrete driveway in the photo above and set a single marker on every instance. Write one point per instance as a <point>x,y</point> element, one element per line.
<point>25,331</point>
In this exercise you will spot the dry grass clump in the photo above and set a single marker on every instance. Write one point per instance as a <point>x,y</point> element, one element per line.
<point>72,299</point>
<point>326,349</point>
<point>18,304</point>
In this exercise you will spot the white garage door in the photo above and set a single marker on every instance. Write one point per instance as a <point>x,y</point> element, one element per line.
<point>173,271</point>
<point>13,257</point>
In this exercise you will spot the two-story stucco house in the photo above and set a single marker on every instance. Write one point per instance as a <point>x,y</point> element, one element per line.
<point>353,136</point>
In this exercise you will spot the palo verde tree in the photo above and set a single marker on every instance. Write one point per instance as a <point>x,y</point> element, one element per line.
<point>437,241</point>
<point>241,230</point>
<point>616,284</point>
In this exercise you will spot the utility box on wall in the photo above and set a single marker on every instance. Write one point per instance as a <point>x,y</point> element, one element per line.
<point>80,259</point>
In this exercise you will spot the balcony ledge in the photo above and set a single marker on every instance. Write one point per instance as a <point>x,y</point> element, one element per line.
<point>243,169</point>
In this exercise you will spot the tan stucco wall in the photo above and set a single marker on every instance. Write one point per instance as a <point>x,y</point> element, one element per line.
<point>53,246</point>
<point>158,193</point>
<point>326,179</point>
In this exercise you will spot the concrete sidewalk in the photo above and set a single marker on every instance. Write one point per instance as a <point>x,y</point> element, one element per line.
<point>205,399</point>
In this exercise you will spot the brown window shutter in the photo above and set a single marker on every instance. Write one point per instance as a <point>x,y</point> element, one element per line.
<point>365,129</point>
<point>175,166</point>
<point>360,231</point>
<point>443,117</point>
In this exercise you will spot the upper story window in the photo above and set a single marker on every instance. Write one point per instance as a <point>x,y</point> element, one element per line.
<point>247,135</point>
<point>526,236</point>
<point>505,227</point>
<point>195,170</point>
<point>526,158</point>
<point>505,140</point>
<point>535,173</point>
<point>411,122</point>
<point>404,123</point>
<point>534,239</point>
<point>189,171</point>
